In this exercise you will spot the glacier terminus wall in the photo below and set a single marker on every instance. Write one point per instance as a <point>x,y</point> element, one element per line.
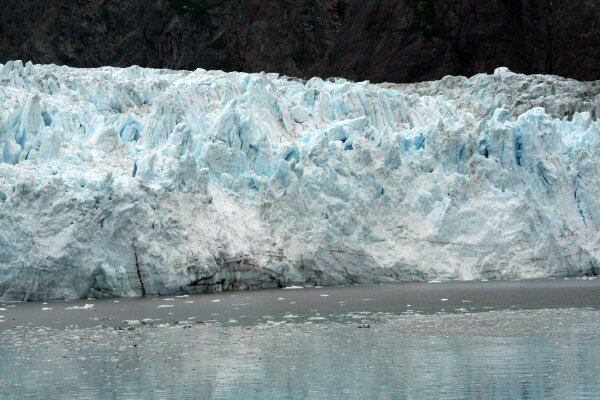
<point>129,182</point>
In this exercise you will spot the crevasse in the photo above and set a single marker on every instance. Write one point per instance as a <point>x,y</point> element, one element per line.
<point>128,182</point>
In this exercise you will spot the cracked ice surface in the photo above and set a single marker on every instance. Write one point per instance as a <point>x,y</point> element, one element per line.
<point>120,182</point>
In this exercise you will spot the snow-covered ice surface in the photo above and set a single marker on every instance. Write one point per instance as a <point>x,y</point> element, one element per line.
<point>123,182</point>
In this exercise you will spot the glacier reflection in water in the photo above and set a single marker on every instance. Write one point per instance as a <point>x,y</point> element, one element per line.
<point>499,354</point>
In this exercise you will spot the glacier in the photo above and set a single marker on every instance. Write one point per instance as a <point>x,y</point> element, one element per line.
<point>130,182</point>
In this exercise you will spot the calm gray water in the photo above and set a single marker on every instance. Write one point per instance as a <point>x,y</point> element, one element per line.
<point>419,345</point>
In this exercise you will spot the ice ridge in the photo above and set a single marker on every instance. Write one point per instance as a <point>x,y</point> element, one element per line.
<point>128,182</point>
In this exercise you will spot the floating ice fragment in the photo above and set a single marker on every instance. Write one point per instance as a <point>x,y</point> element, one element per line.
<point>84,307</point>
<point>165,306</point>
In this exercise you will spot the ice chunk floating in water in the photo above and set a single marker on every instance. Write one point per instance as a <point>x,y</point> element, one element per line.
<point>125,182</point>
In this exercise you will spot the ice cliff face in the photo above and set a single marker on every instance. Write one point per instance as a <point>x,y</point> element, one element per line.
<point>124,182</point>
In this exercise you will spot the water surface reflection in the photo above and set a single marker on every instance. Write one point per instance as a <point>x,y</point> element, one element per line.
<point>501,354</point>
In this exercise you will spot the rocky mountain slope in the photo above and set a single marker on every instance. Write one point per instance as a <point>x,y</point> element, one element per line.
<point>378,40</point>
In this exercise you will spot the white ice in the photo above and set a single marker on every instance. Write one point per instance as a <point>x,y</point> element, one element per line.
<point>124,182</point>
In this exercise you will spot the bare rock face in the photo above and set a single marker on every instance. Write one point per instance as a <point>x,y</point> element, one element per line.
<point>378,40</point>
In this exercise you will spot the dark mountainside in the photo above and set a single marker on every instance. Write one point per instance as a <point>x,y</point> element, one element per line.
<point>379,40</point>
